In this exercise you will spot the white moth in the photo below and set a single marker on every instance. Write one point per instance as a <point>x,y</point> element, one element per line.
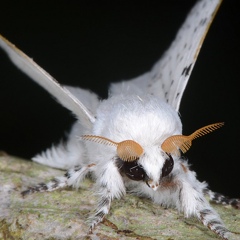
<point>132,140</point>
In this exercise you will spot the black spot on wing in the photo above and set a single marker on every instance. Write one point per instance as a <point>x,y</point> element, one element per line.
<point>187,70</point>
<point>177,95</point>
<point>203,22</point>
<point>154,76</point>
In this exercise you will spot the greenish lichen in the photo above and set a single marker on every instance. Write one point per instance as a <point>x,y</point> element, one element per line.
<point>10,231</point>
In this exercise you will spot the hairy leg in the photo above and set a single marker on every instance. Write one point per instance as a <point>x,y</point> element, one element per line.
<point>193,202</point>
<point>109,186</point>
<point>72,177</point>
<point>221,199</point>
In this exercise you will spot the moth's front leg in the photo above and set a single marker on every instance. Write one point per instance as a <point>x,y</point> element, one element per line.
<point>109,185</point>
<point>193,203</point>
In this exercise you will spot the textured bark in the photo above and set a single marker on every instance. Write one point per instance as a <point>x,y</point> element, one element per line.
<point>63,214</point>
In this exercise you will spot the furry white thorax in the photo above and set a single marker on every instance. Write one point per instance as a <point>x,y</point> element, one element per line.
<point>147,120</point>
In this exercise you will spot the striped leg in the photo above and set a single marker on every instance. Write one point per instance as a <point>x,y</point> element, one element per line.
<point>72,177</point>
<point>210,219</point>
<point>193,202</point>
<point>221,199</point>
<point>102,209</point>
<point>109,186</point>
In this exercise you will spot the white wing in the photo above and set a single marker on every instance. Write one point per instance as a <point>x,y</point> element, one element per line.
<point>169,76</point>
<point>40,76</point>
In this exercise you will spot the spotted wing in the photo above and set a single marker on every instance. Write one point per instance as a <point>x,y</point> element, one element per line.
<point>169,76</point>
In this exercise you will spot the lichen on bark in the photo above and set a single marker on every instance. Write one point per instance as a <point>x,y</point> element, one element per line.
<point>63,214</point>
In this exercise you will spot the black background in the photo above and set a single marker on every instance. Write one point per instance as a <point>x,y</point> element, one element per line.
<point>92,43</point>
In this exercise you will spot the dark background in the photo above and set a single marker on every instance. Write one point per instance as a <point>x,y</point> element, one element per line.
<point>90,44</point>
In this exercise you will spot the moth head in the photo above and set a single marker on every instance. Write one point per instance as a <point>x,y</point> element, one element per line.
<point>172,145</point>
<point>127,150</point>
<point>153,165</point>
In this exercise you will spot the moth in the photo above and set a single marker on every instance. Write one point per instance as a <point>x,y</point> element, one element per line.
<point>133,141</point>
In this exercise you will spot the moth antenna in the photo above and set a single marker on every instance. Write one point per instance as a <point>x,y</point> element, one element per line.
<point>175,143</point>
<point>205,130</point>
<point>128,150</point>
<point>99,139</point>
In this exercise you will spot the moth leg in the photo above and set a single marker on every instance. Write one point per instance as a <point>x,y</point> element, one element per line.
<point>193,202</point>
<point>210,219</point>
<point>101,210</point>
<point>221,199</point>
<point>72,177</point>
<point>109,186</point>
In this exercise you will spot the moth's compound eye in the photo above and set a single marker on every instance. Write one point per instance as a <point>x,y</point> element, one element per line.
<point>134,171</point>
<point>168,166</point>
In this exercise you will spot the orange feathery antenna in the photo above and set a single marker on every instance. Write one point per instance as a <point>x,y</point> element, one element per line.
<point>127,150</point>
<point>175,143</point>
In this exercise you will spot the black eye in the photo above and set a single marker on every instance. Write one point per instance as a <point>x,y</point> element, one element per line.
<point>133,171</point>
<point>168,166</point>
